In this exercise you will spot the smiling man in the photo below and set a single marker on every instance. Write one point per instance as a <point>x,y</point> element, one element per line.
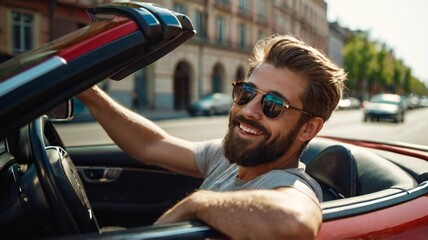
<point>254,185</point>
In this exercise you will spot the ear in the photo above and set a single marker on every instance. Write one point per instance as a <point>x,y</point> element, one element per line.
<point>310,129</point>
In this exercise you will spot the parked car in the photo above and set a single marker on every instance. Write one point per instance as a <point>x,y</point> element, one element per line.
<point>423,102</point>
<point>48,190</point>
<point>412,101</point>
<point>385,106</point>
<point>349,103</point>
<point>212,104</point>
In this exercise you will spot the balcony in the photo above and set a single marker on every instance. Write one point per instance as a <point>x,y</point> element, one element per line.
<point>244,13</point>
<point>223,5</point>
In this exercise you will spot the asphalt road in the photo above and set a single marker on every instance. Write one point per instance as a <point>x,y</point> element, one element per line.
<point>350,124</point>
<point>346,123</point>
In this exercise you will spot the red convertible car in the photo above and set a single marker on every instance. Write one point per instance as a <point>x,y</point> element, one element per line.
<point>371,189</point>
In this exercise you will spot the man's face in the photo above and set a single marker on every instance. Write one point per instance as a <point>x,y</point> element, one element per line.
<point>252,137</point>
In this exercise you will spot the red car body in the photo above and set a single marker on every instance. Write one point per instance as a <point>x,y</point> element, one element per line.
<point>405,220</point>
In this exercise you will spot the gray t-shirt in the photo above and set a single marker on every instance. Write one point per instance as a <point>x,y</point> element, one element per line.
<point>220,175</point>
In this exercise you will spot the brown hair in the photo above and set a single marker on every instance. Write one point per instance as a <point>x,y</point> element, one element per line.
<point>325,80</point>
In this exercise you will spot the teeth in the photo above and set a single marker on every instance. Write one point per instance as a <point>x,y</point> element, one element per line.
<point>249,130</point>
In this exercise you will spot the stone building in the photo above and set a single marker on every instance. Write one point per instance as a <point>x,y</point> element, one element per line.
<point>337,39</point>
<point>209,62</point>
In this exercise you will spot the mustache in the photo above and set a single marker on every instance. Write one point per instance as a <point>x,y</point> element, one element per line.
<point>250,123</point>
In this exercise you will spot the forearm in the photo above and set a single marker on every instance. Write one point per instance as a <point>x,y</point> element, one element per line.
<point>253,214</point>
<point>118,120</point>
<point>139,137</point>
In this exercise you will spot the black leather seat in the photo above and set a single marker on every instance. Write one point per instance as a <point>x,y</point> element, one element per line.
<point>343,172</point>
<point>335,169</point>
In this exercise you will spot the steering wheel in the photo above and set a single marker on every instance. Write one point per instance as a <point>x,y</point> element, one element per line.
<point>60,181</point>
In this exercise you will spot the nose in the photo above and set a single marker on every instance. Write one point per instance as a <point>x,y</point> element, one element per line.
<point>252,110</point>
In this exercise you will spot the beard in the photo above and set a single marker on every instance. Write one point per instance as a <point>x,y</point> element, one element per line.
<point>239,151</point>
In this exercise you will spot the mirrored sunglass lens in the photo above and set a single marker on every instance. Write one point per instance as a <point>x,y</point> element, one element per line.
<point>243,93</point>
<point>272,105</point>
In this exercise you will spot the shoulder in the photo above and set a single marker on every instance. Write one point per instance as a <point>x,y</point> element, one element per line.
<point>214,144</point>
<point>296,178</point>
<point>209,155</point>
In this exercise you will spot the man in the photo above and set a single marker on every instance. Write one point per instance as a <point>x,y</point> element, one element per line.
<point>255,186</point>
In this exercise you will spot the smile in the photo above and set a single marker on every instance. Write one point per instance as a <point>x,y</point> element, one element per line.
<point>249,130</point>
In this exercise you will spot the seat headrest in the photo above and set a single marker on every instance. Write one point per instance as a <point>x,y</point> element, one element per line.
<point>335,167</point>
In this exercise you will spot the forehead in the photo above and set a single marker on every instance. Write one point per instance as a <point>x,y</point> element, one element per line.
<point>268,78</point>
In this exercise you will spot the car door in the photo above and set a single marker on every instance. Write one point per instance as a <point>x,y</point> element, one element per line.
<point>123,191</point>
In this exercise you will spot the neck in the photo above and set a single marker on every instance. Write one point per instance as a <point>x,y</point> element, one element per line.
<point>250,173</point>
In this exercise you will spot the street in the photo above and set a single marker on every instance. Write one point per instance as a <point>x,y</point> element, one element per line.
<point>347,123</point>
<point>350,124</point>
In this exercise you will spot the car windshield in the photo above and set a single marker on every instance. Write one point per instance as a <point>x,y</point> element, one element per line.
<point>386,99</point>
<point>208,97</point>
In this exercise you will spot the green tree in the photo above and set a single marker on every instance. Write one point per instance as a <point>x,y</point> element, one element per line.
<point>408,80</point>
<point>398,76</point>
<point>359,58</point>
<point>373,68</point>
<point>419,87</point>
<point>384,69</point>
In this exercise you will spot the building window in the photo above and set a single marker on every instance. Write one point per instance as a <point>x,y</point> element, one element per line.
<point>220,29</point>
<point>261,10</point>
<point>22,31</point>
<point>181,8</point>
<point>243,5</point>
<point>223,2</point>
<point>198,23</point>
<point>261,34</point>
<point>242,36</point>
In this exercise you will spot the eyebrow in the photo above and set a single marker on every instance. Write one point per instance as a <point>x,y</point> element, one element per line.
<point>276,93</point>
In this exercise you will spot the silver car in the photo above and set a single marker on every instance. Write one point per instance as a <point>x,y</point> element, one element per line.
<point>385,106</point>
<point>216,103</point>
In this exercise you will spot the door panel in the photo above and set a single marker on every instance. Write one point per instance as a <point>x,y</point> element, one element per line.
<point>125,192</point>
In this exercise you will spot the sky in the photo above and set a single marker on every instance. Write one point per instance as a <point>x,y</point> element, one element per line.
<point>401,24</point>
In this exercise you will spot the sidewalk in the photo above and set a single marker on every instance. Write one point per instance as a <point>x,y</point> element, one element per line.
<point>154,115</point>
<point>158,115</point>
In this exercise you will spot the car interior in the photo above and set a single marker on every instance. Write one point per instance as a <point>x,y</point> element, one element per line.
<point>126,193</point>
<point>351,175</point>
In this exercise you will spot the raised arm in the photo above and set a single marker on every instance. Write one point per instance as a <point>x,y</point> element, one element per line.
<point>138,136</point>
<point>284,213</point>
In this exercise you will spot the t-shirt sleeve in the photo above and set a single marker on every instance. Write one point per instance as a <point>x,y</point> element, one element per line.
<point>207,154</point>
<point>293,178</point>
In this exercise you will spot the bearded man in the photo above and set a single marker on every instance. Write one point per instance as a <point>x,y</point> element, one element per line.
<point>254,184</point>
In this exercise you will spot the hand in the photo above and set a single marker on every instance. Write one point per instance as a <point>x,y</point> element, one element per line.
<point>183,211</point>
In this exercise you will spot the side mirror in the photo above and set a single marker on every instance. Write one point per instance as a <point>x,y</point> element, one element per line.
<point>62,112</point>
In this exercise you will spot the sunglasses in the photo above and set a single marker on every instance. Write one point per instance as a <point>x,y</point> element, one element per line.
<point>272,105</point>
